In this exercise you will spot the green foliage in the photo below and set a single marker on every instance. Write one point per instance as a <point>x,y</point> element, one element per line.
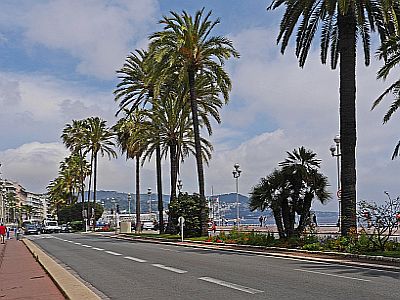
<point>70,213</point>
<point>245,238</point>
<point>76,225</point>
<point>187,206</point>
<point>313,247</point>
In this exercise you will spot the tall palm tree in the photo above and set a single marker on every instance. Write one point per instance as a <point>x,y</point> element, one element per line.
<point>132,136</point>
<point>390,52</point>
<point>73,137</point>
<point>186,48</point>
<point>100,140</point>
<point>170,120</point>
<point>342,23</point>
<point>134,90</point>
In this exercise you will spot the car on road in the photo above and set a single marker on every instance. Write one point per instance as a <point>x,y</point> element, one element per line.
<point>148,225</point>
<point>50,226</point>
<point>65,228</point>
<point>31,229</point>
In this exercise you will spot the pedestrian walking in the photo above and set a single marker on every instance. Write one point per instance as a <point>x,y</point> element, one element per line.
<point>261,219</point>
<point>314,218</point>
<point>8,233</point>
<point>3,230</point>
<point>265,221</point>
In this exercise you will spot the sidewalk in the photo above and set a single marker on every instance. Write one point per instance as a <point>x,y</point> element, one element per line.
<point>21,276</point>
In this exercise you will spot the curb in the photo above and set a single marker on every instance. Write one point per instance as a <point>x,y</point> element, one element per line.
<point>69,285</point>
<point>245,249</point>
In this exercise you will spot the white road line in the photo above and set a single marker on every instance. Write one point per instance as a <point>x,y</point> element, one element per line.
<point>135,259</point>
<point>77,243</point>
<point>169,268</point>
<point>334,275</point>
<point>231,285</point>
<point>98,249</point>
<point>113,253</point>
<point>87,246</point>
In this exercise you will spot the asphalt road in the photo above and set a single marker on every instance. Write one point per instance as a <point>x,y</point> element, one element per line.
<point>134,270</point>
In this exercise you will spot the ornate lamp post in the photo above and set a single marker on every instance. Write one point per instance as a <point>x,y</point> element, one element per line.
<point>236,174</point>
<point>129,204</point>
<point>179,186</point>
<point>335,151</point>
<point>149,199</point>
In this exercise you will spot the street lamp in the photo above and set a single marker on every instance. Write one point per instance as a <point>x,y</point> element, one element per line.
<point>236,174</point>
<point>335,151</point>
<point>179,185</point>
<point>129,204</point>
<point>149,200</point>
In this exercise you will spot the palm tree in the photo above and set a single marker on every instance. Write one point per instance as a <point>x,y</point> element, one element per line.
<point>173,128</point>
<point>100,140</point>
<point>132,135</point>
<point>274,192</point>
<point>73,137</point>
<point>390,52</point>
<point>342,23</point>
<point>134,90</point>
<point>186,48</point>
<point>301,168</point>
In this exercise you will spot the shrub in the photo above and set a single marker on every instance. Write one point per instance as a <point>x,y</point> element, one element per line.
<point>313,247</point>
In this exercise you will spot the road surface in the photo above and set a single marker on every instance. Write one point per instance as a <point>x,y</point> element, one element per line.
<point>134,270</point>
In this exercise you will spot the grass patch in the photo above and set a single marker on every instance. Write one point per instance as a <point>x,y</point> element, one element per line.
<point>395,254</point>
<point>156,235</point>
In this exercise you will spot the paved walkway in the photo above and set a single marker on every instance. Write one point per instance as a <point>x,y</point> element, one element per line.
<point>21,276</point>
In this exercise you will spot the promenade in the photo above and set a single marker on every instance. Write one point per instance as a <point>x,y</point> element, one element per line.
<point>22,277</point>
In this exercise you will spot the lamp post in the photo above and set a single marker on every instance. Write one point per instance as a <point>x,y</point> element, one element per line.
<point>335,151</point>
<point>179,186</point>
<point>129,204</point>
<point>149,199</point>
<point>236,174</point>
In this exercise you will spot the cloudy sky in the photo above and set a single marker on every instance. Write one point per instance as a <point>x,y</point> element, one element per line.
<point>58,60</point>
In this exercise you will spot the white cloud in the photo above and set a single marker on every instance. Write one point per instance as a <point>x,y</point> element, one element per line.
<point>33,165</point>
<point>99,33</point>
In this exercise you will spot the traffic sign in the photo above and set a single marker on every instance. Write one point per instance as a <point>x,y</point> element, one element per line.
<point>339,193</point>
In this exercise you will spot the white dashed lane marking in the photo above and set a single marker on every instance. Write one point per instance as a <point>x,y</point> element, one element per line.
<point>135,259</point>
<point>113,253</point>
<point>231,285</point>
<point>169,268</point>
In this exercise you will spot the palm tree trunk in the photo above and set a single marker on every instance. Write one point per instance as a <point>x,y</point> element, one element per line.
<point>82,183</point>
<point>138,223</point>
<point>348,134</point>
<point>90,186</point>
<point>278,221</point>
<point>199,160</point>
<point>159,189</point>
<point>94,191</point>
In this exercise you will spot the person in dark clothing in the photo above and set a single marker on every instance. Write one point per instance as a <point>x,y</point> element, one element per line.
<point>261,219</point>
<point>314,219</point>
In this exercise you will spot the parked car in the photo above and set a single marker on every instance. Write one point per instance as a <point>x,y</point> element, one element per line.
<point>65,228</point>
<point>148,225</point>
<point>31,229</point>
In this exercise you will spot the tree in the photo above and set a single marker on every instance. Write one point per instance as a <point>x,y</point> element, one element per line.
<point>390,52</point>
<point>186,48</point>
<point>342,23</point>
<point>100,140</point>
<point>73,137</point>
<point>301,167</point>
<point>291,190</point>
<point>132,138</point>
<point>70,213</point>
<point>134,90</point>
<point>187,206</point>
<point>380,220</point>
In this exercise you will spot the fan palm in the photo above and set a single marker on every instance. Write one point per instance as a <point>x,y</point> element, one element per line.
<point>301,168</point>
<point>135,89</point>
<point>73,137</point>
<point>99,140</point>
<point>342,22</point>
<point>132,133</point>
<point>186,48</point>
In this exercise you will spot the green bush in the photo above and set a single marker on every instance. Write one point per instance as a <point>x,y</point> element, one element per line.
<point>313,247</point>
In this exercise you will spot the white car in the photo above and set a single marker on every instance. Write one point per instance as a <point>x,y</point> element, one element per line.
<point>50,226</point>
<point>148,225</point>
